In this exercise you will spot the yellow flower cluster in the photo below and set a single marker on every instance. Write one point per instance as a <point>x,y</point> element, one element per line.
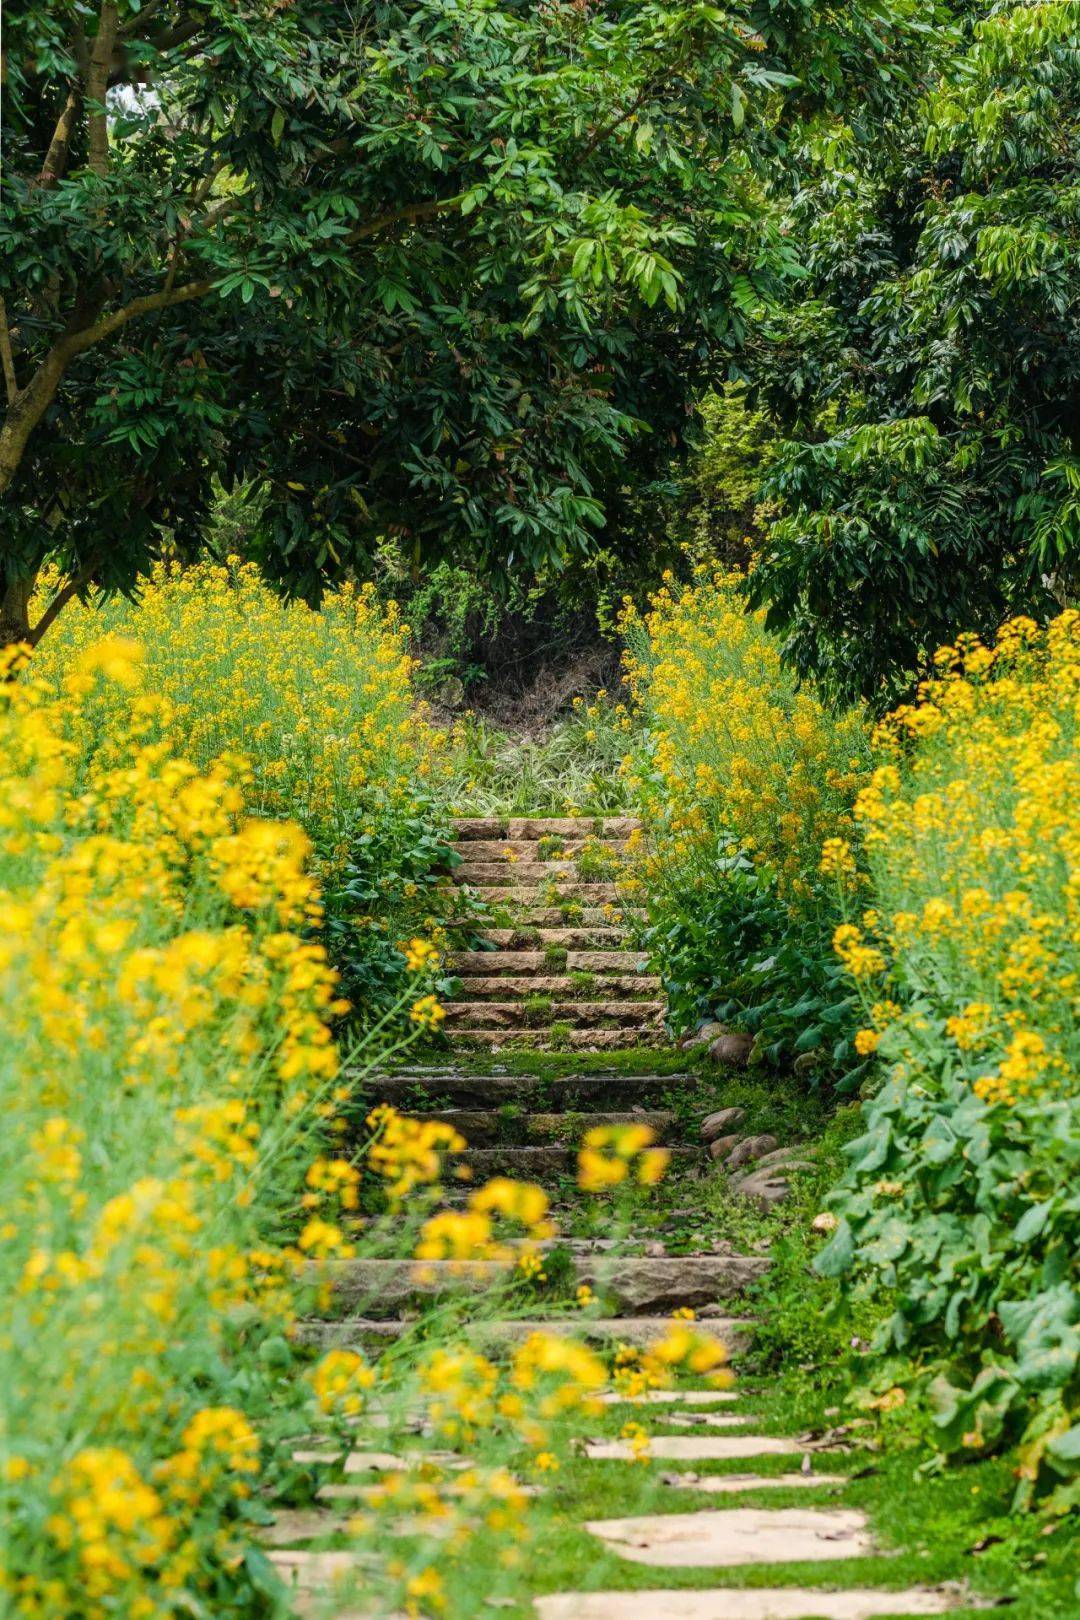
<point>738,757</point>
<point>497,1217</point>
<point>309,716</point>
<point>408,1153</point>
<point>167,1044</point>
<point>612,1154</point>
<point>971,827</point>
<point>318,704</point>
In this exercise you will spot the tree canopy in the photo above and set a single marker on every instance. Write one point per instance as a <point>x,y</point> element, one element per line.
<point>453,272</point>
<point>929,372</point>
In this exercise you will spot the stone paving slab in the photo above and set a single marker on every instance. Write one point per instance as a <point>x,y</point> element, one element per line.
<point>729,1536</point>
<point>366,1462</point>
<point>728,1484</point>
<point>784,1603</point>
<point>696,1448</point>
<point>300,1524</point>
<point>670,1397</point>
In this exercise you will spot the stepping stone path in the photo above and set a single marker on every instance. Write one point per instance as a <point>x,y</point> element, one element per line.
<point>552,971</point>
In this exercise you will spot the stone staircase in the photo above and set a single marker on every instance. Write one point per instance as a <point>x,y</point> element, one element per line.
<point>529,1127</point>
<point>551,967</point>
<point>549,971</point>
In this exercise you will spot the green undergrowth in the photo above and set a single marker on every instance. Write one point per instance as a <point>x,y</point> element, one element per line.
<point>570,769</point>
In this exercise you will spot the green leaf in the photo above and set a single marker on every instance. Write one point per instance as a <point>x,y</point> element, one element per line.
<point>838,1254</point>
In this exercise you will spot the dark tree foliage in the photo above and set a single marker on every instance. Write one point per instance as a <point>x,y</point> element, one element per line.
<point>929,373</point>
<point>451,272</point>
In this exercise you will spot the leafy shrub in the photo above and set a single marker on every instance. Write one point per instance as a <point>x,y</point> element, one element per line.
<point>741,779</point>
<point>319,706</point>
<point>962,1196</point>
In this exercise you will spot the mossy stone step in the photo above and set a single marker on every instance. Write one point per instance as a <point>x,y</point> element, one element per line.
<point>515,964</point>
<point>534,1163</point>
<point>535,895</point>
<point>381,1288</point>
<point>563,988</point>
<point>534,849</point>
<point>363,1332</point>
<point>541,1040</point>
<point>548,929</point>
<point>614,987</point>
<point>515,1015</point>
<point>578,1091</point>
<point>534,827</point>
<point>482,1127</point>
<point>482,873</point>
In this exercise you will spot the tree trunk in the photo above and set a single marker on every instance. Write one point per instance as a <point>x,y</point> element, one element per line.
<point>15,612</point>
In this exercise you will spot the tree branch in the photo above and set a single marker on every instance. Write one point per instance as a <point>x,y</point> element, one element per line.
<point>56,157</point>
<point>30,403</point>
<point>60,601</point>
<point>402,216</point>
<point>6,355</point>
<point>605,134</point>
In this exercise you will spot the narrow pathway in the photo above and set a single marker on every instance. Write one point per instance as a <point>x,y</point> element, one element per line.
<point>552,972</point>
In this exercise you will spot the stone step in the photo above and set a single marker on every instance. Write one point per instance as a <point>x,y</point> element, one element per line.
<point>573,1040</point>
<point>528,828</point>
<point>533,895</point>
<point>591,930</point>
<point>529,849</point>
<point>535,1163</point>
<point>580,1091</point>
<point>359,1332</point>
<point>511,964</point>
<point>381,1288</point>
<point>493,1128</point>
<point>483,875</point>
<point>610,987</point>
<point>513,1015</point>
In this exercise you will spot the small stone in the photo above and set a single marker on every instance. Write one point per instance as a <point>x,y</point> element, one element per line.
<point>825,1222</point>
<point>732,1047</point>
<point>764,1188</point>
<point>785,1156</point>
<point>725,1537</point>
<point>721,1146</point>
<point>713,1125</point>
<point>751,1148</point>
